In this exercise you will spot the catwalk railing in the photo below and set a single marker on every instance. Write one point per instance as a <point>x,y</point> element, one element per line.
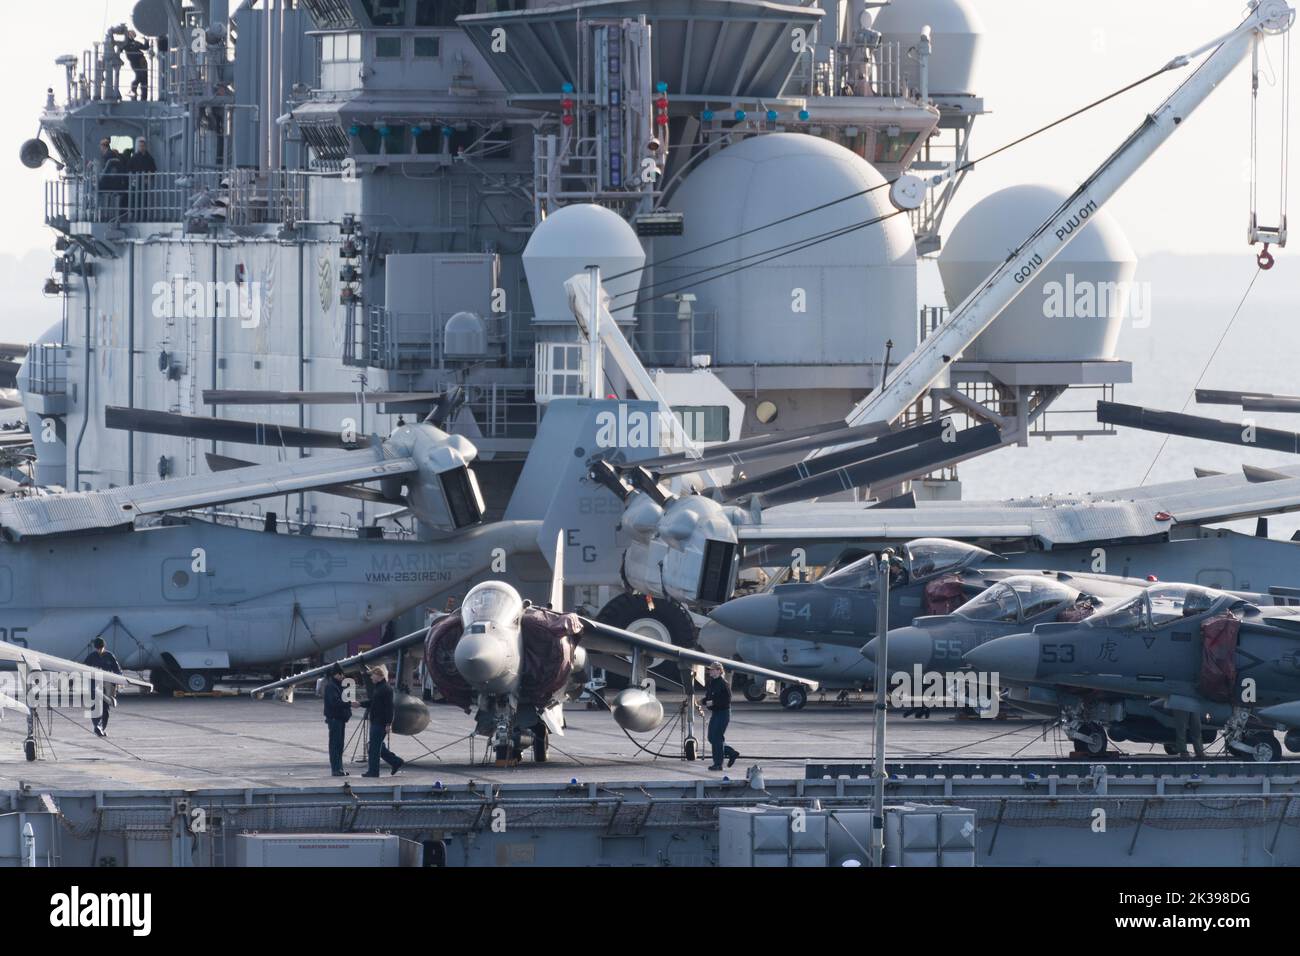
<point>237,197</point>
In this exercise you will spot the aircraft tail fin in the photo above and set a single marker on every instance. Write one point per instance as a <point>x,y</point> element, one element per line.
<point>557,574</point>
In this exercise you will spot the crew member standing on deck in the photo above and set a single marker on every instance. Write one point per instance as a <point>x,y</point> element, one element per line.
<point>101,658</point>
<point>337,714</point>
<point>381,710</point>
<point>717,698</point>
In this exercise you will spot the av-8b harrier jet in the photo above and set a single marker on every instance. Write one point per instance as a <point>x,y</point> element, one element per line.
<point>1191,656</point>
<point>514,665</point>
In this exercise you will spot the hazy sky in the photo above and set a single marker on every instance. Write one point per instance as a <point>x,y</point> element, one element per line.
<point>1041,59</point>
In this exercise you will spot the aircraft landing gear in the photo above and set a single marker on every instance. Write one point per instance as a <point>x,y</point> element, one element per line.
<point>541,743</point>
<point>691,749</point>
<point>29,749</point>
<point>755,692</point>
<point>1263,747</point>
<point>664,619</point>
<point>793,697</point>
<point>1089,737</point>
<point>1292,741</point>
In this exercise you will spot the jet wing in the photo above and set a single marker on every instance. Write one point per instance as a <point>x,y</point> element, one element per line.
<point>36,661</point>
<point>613,640</point>
<point>118,507</point>
<point>347,663</point>
<point>1053,521</point>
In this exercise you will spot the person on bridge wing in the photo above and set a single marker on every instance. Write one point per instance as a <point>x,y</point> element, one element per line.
<point>337,714</point>
<point>380,709</point>
<point>717,697</point>
<point>101,658</point>
<point>135,50</point>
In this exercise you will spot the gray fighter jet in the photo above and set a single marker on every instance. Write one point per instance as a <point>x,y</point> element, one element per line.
<point>1179,655</point>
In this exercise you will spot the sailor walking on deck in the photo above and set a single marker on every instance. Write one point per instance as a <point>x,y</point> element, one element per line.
<point>101,658</point>
<point>717,697</point>
<point>381,711</point>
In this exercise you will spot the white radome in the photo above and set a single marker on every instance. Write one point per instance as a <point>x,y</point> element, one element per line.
<point>565,243</point>
<point>956,36</point>
<point>832,303</point>
<point>1072,310</point>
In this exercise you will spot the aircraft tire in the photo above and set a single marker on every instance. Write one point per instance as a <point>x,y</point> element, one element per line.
<point>198,682</point>
<point>668,617</point>
<point>1265,748</point>
<point>541,744</point>
<point>691,749</point>
<point>794,697</point>
<point>1292,741</point>
<point>29,750</point>
<point>755,692</point>
<point>1097,745</point>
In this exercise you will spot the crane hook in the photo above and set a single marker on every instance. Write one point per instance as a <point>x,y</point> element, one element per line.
<point>1265,259</point>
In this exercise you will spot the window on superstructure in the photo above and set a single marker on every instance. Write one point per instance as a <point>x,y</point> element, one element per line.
<point>704,422</point>
<point>426,48</point>
<point>386,13</point>
<point>388,48</point>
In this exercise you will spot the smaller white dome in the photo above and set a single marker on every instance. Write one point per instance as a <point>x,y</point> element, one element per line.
<point>1070,310</point>
<point>566,243</point>
<point>956,35</point>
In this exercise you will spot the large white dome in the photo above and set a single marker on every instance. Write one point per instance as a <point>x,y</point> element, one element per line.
<point>855,290</point>
<point>565,243</point>
<point>1072,310</point>
<point>955,32</point>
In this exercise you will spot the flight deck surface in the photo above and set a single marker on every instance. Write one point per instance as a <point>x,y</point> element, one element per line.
<point>158,742</point>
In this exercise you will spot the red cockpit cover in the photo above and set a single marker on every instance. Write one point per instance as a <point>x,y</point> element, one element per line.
<point>944,595</point>
<point>1218,680</point>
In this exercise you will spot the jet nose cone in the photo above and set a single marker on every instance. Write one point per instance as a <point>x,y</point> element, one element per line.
<point>908,646</point>
<point>480,659</point>
<point>751,614</point>
<point>1014,657</point>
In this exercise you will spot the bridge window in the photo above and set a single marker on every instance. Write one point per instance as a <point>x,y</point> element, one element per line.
<point>426,47</point>
<point>388,48</point>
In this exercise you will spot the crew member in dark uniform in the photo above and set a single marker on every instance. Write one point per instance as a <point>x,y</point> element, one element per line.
<point>101,658</point>
<point>717,697</point>
<point>381,710</point>
<point>135,51</point>
<point>337,714</point>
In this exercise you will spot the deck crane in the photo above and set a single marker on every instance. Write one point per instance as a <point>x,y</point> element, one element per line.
<point>685,545</point>
<point>927,363</point>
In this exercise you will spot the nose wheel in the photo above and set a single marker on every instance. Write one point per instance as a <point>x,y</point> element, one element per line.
<point>691,749</point>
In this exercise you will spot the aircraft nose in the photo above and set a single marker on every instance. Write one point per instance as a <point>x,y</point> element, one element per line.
<point>480,658</point>
<point>908,646</point>
<point>751,614</point>
<point>1014,657</point>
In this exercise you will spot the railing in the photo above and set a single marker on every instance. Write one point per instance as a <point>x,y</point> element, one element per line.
<point>47,369</point>
<point>379,338</point>
<point>239,197</point>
